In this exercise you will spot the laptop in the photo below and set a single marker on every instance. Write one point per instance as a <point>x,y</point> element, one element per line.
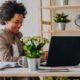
<point>64,51</point>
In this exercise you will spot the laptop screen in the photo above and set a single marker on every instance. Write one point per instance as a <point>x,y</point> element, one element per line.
<point>64,51</point>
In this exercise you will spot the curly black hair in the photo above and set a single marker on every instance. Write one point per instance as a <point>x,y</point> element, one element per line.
<point>9,9</point>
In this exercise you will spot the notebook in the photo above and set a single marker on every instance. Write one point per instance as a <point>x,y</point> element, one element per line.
<point>4,65</point>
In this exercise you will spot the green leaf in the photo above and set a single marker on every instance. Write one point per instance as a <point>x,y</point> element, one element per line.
<point>32,46</point>
<point>61,17</point>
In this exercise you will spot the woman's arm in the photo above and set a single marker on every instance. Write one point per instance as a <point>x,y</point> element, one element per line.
<point>44,57</point>
<point>5,51</point>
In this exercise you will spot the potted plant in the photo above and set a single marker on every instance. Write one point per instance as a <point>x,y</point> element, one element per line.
<point>61,19</point>
<point>33,50</point>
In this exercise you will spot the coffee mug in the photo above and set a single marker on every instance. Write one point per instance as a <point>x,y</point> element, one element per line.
<point>23,62</point>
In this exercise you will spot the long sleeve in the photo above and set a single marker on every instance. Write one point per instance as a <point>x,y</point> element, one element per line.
<point>6,51</point>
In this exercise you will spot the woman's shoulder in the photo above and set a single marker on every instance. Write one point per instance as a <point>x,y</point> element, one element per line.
<point>4,36</point>
<point>2,32</point>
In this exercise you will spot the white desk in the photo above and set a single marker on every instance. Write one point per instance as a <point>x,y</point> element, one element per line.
<point>23,72</point>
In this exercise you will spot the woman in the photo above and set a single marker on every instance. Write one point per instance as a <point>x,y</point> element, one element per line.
<point>11,15</point>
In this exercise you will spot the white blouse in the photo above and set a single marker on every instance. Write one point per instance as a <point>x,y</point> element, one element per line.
<point>15,50</point>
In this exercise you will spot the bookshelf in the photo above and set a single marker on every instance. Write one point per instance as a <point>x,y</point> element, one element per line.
<point>61,7</point>
<point>50,5</point>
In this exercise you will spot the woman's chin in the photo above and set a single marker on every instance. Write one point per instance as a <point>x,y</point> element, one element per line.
<point>16,31</point>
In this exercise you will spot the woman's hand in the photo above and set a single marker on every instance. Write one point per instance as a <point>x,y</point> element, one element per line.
<point>44,57</point>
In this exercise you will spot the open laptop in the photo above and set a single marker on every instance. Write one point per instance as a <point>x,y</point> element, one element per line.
<point>64,51</point>
<point>64,54</point>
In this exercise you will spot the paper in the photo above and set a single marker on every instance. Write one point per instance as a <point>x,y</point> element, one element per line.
<point>43,63</point>
<point>54,69</point>
<point>74,68</point>
<point>7,64</point>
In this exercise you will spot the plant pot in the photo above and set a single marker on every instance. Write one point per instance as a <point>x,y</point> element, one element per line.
<point>61,26</point>
<point>64,2</point>
<point>33,63</point>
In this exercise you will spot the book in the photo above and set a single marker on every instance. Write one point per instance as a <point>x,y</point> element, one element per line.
<point>4,65</point>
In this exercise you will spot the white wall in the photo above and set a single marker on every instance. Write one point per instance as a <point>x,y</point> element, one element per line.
<point>30,25</point>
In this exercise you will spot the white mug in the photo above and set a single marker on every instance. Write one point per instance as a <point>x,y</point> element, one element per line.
<point>23,62</point>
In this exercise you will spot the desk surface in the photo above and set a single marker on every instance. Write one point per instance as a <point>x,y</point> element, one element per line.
<point>23,72</point>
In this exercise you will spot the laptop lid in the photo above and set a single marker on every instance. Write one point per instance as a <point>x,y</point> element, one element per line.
<point>64,51</point>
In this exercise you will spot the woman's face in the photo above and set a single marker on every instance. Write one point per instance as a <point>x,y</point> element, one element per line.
<point>15,23</point>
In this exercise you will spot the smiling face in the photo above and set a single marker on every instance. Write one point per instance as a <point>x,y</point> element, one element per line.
<point>15,23</point>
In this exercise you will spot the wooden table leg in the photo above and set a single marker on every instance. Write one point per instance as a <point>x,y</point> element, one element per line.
<point>41,78</point>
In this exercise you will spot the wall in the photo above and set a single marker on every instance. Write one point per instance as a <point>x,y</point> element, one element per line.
<point>30,25</point>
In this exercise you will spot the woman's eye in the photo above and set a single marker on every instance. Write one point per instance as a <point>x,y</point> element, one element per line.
<point>18,22</point>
